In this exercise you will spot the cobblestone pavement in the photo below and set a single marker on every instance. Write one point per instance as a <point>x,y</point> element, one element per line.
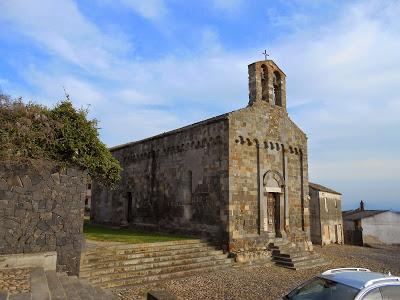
<point>15,280</point>
<point>269,282</point>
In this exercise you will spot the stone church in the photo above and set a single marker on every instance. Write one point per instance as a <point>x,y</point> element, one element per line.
<point>240,178</point>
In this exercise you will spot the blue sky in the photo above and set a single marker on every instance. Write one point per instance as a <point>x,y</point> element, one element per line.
<point>144,67</point>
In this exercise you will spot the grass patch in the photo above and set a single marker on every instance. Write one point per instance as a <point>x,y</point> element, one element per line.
<point>107,234</point>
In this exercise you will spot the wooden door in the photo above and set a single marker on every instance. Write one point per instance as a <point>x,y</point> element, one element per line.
<point>277,215</point>
<point>271,209</point>
<point>273,204</point>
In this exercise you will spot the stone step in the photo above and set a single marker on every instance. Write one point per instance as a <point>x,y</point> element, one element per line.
<point>302,264</point>
<point>87,263</point>
<point>293,255</point>
<point>278,245</point>
<point>156,257</point>
<point>81,290</point>
<point>140,265</point>
<point>97,292</point>
<point>39,285</point>
<point>139,280</point>
<point>156,271</point>
<point>295,259</point>
<point>78,289</point>
<point>68,286</point>
<point>297,253</point>
<point>136,264</point>
<point>4,295</point>
<point>56,289</point>
<point>49,285</point>
<point>101,255</point>
<point>21,296</point>
<point>146,246</point>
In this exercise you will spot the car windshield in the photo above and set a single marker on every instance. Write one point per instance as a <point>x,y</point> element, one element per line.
<point>320,288</point>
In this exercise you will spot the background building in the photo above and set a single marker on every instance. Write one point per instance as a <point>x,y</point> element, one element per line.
<point>325,215</point>
<point>372,227</point>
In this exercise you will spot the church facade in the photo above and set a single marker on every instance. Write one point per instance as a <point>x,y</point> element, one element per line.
<point>240,178</point>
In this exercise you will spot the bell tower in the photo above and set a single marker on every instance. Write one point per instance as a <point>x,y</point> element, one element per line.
<point>267,83</point>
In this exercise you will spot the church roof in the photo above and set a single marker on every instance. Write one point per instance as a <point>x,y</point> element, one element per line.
<point>204,122</point>
<point>322,188</point>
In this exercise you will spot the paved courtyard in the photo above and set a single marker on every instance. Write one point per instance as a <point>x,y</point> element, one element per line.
<point>269,281</point>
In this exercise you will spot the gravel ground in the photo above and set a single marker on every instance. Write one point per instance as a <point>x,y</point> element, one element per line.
<point>269,281</point>
<point>15,280</point>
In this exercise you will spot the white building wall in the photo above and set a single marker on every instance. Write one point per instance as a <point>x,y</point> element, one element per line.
<point>383,228</point>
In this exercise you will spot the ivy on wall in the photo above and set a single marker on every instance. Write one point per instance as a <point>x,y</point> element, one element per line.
<point>62,133</point>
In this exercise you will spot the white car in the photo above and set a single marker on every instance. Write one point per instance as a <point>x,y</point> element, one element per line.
<point>348,284</point>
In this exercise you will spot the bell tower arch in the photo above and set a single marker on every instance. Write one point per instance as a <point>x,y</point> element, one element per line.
<point>267,83</point>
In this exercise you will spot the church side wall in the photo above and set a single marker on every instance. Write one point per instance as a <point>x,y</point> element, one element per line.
<point>263,140</point>
<point>177,182</point>
<point>315,218</point>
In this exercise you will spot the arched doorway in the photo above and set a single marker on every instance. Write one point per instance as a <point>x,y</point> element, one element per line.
<point>274,197</point>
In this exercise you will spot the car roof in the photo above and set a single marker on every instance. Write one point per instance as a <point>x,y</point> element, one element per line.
<point>353,278</point>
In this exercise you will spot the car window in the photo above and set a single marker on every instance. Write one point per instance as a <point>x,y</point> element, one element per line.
<point>320,288</point>
<point>375,294</point>
<point>391,292</point>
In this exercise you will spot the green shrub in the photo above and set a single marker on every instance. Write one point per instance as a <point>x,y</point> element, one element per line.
<point>63,133</point>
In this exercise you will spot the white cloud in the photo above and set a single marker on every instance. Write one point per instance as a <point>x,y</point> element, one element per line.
<point>60,29</point>
<point>149,9</point>
<point>379,169</point>
<point>133,125</point>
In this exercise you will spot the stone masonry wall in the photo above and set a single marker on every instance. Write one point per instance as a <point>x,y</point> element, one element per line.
<point>41,209</point>
<point>175,182</point>
<point>263,141</point>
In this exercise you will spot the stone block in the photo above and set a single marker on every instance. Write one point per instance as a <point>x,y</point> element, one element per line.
<point>3,204</point>
<point>14,181</point>
<point>47,260</point>
<point>56,178</point>
<point>3,184</point>
<point>26,182</point>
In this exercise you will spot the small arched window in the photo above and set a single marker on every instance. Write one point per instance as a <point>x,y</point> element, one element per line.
<point>277,82</point>
<point>264,82</point>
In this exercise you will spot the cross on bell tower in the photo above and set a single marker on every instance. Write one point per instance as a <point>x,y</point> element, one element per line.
<point>265,54</point>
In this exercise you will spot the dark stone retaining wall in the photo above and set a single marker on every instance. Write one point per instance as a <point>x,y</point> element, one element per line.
<point>41,209</point>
